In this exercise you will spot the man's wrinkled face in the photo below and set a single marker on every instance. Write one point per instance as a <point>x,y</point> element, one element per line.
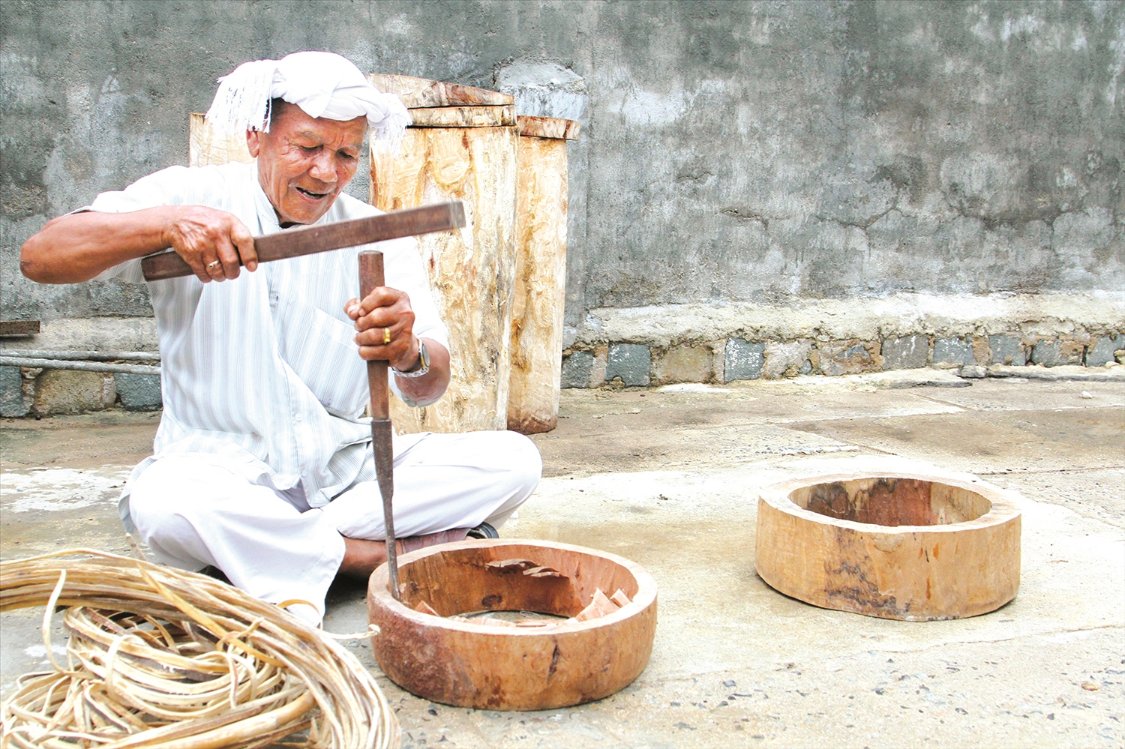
<point>304,163</point>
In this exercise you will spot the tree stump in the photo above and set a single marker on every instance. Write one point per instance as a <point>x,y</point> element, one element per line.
<point>540,274</point>
<point>461,146</point>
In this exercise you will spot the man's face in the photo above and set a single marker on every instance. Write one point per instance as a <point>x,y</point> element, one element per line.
<point>305,162</point>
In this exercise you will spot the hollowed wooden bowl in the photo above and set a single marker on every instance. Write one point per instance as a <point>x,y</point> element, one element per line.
<point>483,664</point>
<point>913,547</point>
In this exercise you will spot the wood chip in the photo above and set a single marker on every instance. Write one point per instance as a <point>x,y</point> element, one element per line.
<point>598,607</point>
<point>425,608</point>
<point>510,565</point>
<point>510,618</point>
<point>620,598</point>
<point>526,566</point>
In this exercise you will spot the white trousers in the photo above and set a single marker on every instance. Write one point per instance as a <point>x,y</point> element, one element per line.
<point>192,511</point>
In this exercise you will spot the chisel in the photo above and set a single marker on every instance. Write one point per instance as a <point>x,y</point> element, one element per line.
<point>370,277</point>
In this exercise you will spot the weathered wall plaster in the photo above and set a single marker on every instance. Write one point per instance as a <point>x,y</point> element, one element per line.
<point>761,153</point>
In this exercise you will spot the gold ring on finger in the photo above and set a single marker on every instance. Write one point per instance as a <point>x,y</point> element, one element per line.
<point>386,336</point>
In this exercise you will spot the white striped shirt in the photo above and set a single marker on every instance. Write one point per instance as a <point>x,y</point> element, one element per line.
<point>263,372</point>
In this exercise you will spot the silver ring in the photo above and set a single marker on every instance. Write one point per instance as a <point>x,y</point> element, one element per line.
<point>213,264</point>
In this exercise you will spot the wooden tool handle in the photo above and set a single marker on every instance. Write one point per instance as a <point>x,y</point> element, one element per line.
<point>370,277</point>
<point>308,240</point>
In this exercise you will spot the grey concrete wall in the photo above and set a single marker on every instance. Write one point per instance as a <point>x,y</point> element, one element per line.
<point>732,152</point>
<point>765,151</point>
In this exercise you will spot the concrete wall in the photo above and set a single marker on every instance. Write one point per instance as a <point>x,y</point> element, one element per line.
<point>760,153</point>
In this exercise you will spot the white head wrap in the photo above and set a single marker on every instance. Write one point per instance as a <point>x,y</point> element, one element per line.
<point>323,84</point>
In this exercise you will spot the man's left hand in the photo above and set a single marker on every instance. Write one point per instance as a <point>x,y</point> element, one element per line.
<point>385,321</point>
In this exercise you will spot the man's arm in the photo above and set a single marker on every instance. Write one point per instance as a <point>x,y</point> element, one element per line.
<point>422,391</point>
<point>78,246</point>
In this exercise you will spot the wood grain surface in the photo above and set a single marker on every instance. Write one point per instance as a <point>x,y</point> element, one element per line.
<point>424,647</point>
<point>915,548</point>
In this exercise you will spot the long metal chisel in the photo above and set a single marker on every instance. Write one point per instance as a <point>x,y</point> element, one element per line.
<point>371,276</point>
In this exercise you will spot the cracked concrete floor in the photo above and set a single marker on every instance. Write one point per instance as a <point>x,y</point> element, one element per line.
<point>669,479</point>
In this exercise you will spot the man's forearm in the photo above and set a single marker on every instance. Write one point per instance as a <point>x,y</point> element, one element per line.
<point>78,246</point>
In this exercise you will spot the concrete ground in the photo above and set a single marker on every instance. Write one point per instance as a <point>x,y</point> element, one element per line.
<point>669,479</point>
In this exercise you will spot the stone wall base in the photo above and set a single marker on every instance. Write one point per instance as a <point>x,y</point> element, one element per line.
<point>654,346</point>
<point>975,336</point>
<point>56,390</point>
<point>38,392</point>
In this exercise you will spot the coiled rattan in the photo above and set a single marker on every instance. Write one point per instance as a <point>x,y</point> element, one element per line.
<point>162,657</point>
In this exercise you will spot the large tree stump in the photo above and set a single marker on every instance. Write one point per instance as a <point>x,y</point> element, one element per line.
<point>539,296</point>
<point>462,146</point>
<point>892,546</point>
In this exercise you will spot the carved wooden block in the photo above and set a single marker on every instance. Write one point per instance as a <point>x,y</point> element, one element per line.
<point>464,117</point>
<point>540,275</point>
<point>471,271</point>
<point>423,92</point>
<point>548,127</point>
<point>206,147</point>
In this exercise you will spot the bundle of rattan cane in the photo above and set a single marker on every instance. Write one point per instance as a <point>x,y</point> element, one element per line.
<point>161,657</point>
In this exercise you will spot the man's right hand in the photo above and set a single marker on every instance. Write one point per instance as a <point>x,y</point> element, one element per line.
<point>214,243</point>
<point>78,246</point>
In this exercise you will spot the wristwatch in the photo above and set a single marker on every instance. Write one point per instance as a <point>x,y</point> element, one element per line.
<point>421,368</point>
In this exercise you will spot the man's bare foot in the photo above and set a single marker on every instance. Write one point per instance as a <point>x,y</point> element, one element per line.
<point>361,557</point>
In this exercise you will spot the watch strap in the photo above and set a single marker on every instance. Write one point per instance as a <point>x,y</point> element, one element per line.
<point>421,368</point>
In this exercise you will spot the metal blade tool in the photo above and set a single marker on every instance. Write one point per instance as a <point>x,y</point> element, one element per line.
<point>370,277</point>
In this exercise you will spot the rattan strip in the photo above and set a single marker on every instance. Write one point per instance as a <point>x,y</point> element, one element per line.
<point>162,657</point>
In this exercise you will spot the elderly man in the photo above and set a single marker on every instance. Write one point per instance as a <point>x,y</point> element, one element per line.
<point>262,463</point>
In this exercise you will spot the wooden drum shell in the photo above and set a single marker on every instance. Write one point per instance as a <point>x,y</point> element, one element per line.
<point>952,552</point>
<point>476,664</point>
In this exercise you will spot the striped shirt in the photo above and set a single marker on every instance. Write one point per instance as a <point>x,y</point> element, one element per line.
<point>263,372</point>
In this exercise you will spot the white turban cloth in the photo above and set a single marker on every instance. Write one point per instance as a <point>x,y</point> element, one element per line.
<point>323,84</point>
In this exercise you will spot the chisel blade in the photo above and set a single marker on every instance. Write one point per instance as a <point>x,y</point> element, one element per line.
<point>384,472</point>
